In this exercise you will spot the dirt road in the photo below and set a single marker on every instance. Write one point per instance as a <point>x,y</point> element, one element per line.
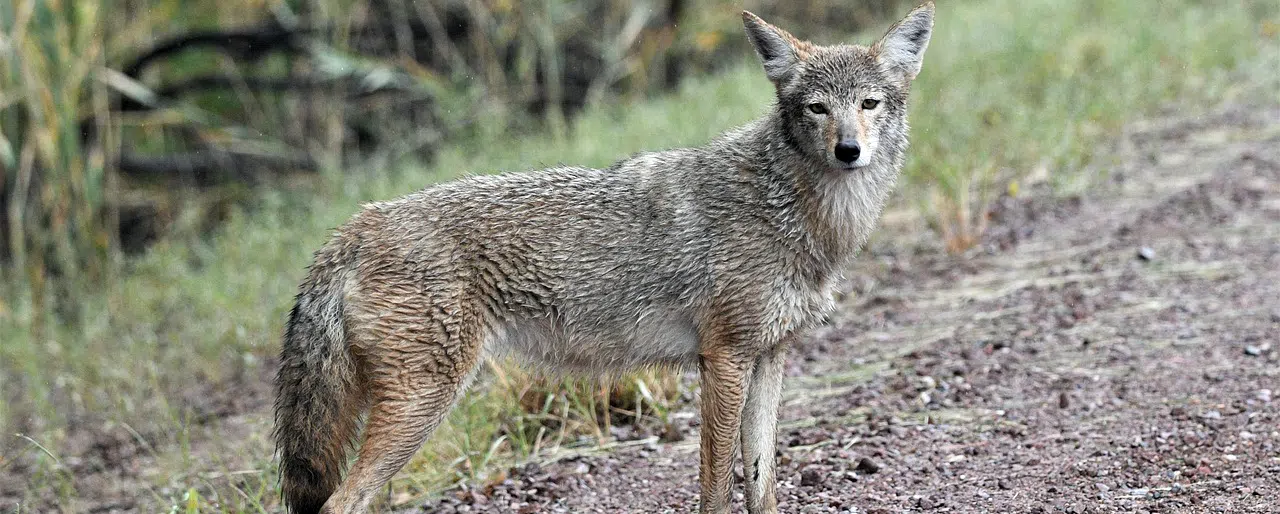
<point>1115,352</point>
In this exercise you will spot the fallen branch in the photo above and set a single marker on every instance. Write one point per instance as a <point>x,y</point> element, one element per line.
<point>249,44</point>
<point>208,167</point>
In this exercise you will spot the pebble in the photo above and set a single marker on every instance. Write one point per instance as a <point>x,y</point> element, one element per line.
<point>1146,253</point>
<point>1264,395</point>
<point>1254,351</point>
<point>810,477</point>
<point>867,466</point>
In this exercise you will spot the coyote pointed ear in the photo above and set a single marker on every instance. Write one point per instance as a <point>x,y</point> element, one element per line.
<point>902,48</point>
<point>777,48</point>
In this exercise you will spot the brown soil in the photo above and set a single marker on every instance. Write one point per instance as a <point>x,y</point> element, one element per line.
<point>1115,352</point>
<point>1112,352</point>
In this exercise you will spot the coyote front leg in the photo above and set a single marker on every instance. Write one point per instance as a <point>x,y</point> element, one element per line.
<point>760,431</point>
<point>724,375</point>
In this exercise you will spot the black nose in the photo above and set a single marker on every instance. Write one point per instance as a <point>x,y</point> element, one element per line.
<point>848,150</point>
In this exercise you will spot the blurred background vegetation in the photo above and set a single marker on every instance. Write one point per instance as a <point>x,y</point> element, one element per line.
<point>122,118</point>
<point>167,166</point>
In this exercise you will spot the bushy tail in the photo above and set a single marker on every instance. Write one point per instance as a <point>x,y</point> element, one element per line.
<point>318,397</point>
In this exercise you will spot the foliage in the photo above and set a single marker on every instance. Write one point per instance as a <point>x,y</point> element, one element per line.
<point>1039,91</point>
<point>54,183</point>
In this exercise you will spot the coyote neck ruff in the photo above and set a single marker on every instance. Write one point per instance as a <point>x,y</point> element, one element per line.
<point>834,210</point>
<point>716,257</point>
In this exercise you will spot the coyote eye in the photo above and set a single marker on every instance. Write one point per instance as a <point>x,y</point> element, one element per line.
<point>817,108</point>
<point>870,104</point>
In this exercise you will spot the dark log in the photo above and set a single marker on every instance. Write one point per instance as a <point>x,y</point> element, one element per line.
<point>208,167</point>
<point>249,44</point>
<point>206,83</point>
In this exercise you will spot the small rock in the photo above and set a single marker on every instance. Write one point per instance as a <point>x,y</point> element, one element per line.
<point>1254,351</point>
<point>1264,395</point>
<point>673,433</point>
<point>1146,253</point>
<point>1003,484</point>
<point>810,477</point>
<point>1102,487</point>
<point>1213,414</point>
<point>1064,401</point>
<point>867,466</point>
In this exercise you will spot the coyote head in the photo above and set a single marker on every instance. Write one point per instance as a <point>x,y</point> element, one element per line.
<point>844,106</point>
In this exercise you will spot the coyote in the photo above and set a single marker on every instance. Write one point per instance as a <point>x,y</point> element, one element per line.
<point>717,257</point>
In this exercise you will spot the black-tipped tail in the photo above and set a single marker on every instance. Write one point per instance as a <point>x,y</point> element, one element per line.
<point>317,395</point>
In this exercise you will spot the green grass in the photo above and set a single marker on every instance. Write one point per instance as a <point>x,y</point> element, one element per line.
<point>1010,90</point>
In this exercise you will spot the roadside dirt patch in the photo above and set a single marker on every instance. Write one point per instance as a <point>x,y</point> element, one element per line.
<point>1115,352</point>
<point>108,466</point>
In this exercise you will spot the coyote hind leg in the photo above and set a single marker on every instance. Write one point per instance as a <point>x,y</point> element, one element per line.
<point>413,383</point>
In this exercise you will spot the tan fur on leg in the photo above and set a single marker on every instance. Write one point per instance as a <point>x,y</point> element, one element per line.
<point>723,379</point>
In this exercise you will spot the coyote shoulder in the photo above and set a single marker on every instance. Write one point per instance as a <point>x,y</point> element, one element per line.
<point>716,257</point>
